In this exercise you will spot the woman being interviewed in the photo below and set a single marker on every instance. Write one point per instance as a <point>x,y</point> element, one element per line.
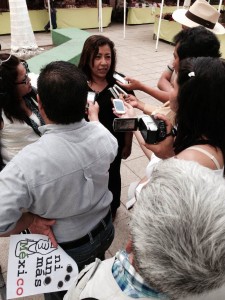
<point>198,99</point>
<point>98,62</point>
<point>20,117</point>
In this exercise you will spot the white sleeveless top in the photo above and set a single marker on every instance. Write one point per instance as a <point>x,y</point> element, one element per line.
<point>14,137</point>
<point>219,170</point>
<point>154,160</point>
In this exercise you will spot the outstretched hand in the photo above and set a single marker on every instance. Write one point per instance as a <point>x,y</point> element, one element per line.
<point>132,100</point>
<point>129,112</point>
<point>92,111</point>
<point>133,84</point>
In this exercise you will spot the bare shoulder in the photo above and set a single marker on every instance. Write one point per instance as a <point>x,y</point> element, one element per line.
<point>205,157</point>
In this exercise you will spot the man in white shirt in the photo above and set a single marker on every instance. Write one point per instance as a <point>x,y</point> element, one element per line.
<point>64,175</point>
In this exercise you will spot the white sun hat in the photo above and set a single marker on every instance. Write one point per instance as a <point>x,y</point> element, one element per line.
<point>200,13</point>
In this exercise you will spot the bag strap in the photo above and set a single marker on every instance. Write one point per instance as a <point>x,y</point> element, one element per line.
<point>83,278</point>
<point>28,121</point>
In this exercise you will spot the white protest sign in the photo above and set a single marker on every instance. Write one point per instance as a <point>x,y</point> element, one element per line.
<point>36,267</point>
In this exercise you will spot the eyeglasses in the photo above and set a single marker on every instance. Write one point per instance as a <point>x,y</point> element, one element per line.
<point>25,64</point>
<point>25,80</point>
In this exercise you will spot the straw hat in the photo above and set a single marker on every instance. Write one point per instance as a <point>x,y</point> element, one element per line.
<point>200,13</point>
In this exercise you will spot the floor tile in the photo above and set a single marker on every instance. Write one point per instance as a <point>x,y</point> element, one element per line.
<point>137,166</point>
<point>127,175</point>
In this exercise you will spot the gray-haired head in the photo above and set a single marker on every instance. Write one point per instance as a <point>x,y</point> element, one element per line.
<point>178,229</point>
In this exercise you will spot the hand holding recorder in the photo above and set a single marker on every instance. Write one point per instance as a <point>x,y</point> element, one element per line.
<point>129,83</point>
<point>119,106</point>
<point>135,102</point>
<point>152,130</point>
<point>120,78</point>
<point>164,149</point>
<point>92,111</point>
<point>91,97</point>
<point>116,91</point>
<point>129,111</point>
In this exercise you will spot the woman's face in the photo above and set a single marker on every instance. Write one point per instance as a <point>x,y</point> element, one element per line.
<point>102,62</point>
<point>176,59</point>
<point>173,96</point>
<point>23,81</point>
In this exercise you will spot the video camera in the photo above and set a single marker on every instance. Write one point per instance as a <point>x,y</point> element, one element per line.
<point>152,130</point>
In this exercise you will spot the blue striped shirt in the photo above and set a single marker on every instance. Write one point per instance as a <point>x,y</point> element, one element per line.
<point>129,281</point>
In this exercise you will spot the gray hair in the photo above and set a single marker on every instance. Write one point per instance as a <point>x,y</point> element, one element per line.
<point>178,229</point>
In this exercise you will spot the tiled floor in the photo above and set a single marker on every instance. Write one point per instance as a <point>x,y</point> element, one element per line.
<point>137,58</point>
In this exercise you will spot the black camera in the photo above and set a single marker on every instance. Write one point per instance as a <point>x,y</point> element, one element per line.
<point>153,130</point>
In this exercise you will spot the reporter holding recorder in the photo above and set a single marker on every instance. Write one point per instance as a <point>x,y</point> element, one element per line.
<point>198,100</point>
<point>192,42</point>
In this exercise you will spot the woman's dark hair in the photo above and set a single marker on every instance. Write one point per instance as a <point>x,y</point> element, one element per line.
<point>9,101</point>
<point>195,42</point>
<point>201,103</point>
<point>90,51</point>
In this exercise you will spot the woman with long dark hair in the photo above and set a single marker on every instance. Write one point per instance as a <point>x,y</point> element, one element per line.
<point>20,117</point>
<point>198,98</point>
<point>98,62</point>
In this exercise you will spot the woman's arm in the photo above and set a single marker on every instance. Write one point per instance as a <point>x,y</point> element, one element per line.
<point>141,142</point>
<point>164,83</point>
<point>135,102</point>
<point>134,84</point>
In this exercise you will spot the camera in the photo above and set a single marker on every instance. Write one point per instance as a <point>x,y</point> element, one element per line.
<point>152,130</point>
